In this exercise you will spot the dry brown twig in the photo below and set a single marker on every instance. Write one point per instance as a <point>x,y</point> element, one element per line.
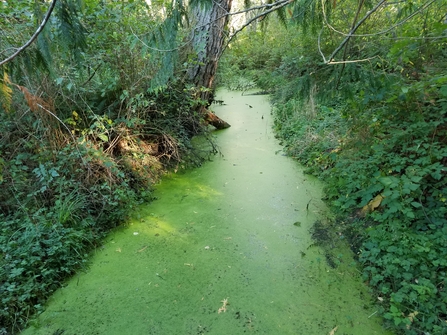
<point>224,306</point>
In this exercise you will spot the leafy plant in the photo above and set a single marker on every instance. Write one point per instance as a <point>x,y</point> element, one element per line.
<point>84,134</point>
<point>373,126</point>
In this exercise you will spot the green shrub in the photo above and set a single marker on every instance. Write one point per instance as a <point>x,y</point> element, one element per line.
<point>388,170</point>
<point>377,136</point>
<point>55,206</point>
<point>61,191</point>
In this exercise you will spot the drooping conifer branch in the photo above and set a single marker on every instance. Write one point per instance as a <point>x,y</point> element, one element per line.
<point>388,29</point>
<point>32,39</point>
<point>354,28</point>
<point>352,32</point>
<point>277,5</point>
<point>271,7</point>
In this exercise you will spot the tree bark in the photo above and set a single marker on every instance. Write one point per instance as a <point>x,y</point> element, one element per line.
<point>215,121</point>
<point>208,37</point>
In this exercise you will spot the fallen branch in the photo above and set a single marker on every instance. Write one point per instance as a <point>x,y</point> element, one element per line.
<point>215,121</point>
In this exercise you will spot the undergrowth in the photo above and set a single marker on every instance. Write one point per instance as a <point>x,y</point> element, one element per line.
<point>377,135</point>
<point>386,169</point>
<point>385,173</point>
<point>89,120</point>
<point>67,183</point>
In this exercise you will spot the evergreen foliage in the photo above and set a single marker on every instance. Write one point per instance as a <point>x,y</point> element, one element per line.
<point>371,122</point>
<point>91,115</point>
<point>98,107</point>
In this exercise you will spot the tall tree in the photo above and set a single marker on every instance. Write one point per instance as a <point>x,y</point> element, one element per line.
<point>211,34</point>
<point>208,37</point>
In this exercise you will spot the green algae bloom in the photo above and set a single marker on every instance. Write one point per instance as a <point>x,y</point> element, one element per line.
<point>225,250</point>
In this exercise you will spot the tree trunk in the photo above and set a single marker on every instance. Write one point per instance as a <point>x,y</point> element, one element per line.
<point>208,38</point>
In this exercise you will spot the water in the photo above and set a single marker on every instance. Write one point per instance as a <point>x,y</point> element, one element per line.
<point>225,250</point>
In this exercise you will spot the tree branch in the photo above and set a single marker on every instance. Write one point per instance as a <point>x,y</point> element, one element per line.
<point>273,6</point>
<point>31,40</point>
<point>353,30</point>
<point>423,7</point>
<point>278,4</point>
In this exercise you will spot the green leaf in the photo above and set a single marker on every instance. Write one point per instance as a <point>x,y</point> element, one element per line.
<point>409,214</point>
<point>103,137</point>
<point>443,90</point>
<point>108,164</point>
<point>389,181</point>
<point>416,179</point>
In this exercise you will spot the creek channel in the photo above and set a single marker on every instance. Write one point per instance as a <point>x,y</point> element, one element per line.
<point>225,249</point>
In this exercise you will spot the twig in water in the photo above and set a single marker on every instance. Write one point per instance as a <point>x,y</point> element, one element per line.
<point>307,206</point>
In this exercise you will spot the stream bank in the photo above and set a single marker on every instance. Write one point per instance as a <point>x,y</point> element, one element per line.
<point>225,249</point>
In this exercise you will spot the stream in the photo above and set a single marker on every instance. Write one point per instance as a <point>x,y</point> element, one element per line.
<point>225,249</point>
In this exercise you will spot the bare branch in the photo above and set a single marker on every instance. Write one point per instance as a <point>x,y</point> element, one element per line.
<point>352,61</point>
<point>319,47</point>
<point>279,3</point>
<point>354,28</point>
<point>31,40</point>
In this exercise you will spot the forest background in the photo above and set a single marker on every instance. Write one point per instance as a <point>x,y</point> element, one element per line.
<point>102,103</point>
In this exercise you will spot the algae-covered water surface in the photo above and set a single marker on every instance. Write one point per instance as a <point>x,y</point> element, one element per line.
<point>225,249</point>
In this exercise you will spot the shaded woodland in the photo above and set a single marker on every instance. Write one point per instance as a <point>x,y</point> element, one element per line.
<point>98,98</point>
